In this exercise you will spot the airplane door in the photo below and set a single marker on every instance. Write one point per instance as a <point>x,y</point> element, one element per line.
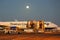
<point>41,26</point>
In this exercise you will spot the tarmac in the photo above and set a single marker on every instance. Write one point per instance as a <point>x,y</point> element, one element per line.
<point>29,36</point>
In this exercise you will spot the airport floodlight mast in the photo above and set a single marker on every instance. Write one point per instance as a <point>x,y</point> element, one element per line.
<point>27,7</point>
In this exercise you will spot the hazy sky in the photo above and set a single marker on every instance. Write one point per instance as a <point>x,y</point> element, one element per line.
<point>48,10</point>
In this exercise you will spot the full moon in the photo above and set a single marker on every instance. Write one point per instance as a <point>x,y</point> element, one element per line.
<point>27,7</point>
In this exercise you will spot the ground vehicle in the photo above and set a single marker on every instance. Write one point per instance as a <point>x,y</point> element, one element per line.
<point>31,26</point>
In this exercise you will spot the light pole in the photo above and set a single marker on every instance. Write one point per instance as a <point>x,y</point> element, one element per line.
<point>27,7</point>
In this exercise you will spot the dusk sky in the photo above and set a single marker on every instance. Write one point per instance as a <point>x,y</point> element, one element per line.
<point>47,10</point>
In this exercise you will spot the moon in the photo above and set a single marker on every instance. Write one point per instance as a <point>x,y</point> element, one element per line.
<point>27,7</point>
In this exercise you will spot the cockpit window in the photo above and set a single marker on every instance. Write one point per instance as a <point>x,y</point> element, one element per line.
<point>46,23</point>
